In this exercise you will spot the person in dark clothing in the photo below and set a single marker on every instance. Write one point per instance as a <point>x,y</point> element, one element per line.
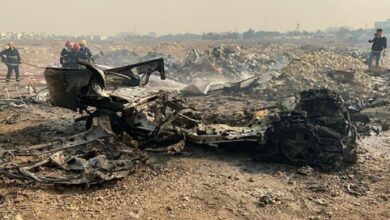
<point>12,60</point>
<point>379,44</point>
<point>85,52</point>
<point>66,55</point>
<point>74,56</point>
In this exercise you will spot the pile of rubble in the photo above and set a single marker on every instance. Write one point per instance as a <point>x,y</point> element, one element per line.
<point>354,52</point>
<point>326,70</point>
<point>229,63</point>
<point>321,69</point>
<point>281,70</point>
<point>221,63</point>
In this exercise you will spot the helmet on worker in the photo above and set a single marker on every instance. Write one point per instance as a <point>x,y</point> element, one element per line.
<point>76,47</point>
<point>83,43</point>
<point>6,47</point>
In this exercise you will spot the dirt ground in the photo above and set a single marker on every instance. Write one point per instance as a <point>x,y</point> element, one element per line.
<point>199,183</point>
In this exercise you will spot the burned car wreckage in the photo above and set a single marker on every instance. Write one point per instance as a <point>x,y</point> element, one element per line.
<point>316,131</point>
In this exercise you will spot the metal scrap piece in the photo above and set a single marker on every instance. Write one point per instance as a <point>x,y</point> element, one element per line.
<point>80,159</point>
<point>136,74</point>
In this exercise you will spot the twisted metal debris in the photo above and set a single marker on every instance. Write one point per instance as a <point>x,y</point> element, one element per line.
<point>85,158</point>
<point>316,130</point>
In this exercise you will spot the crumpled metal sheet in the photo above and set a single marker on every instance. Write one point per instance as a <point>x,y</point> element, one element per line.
<point>136,74</point>
<point>65,85</point>
<point>86,158</point>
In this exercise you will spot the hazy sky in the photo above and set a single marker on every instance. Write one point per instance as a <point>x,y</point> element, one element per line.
<point>179,16</point>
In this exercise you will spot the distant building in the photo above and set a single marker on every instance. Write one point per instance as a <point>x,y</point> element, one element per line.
<point>383,24</point>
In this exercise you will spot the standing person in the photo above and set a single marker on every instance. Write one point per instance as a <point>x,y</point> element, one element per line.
<point>372,53</point>
<point>12,60</point>
<point>66,55</point>
<point>74,56</point>
<point>379,44</point>
<point>85,52</point>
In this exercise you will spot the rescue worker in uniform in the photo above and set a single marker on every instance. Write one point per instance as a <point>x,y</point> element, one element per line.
<point>74,56</point>
<point>12,60</point>
<point>85,52</point>
<point>66,55</point>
